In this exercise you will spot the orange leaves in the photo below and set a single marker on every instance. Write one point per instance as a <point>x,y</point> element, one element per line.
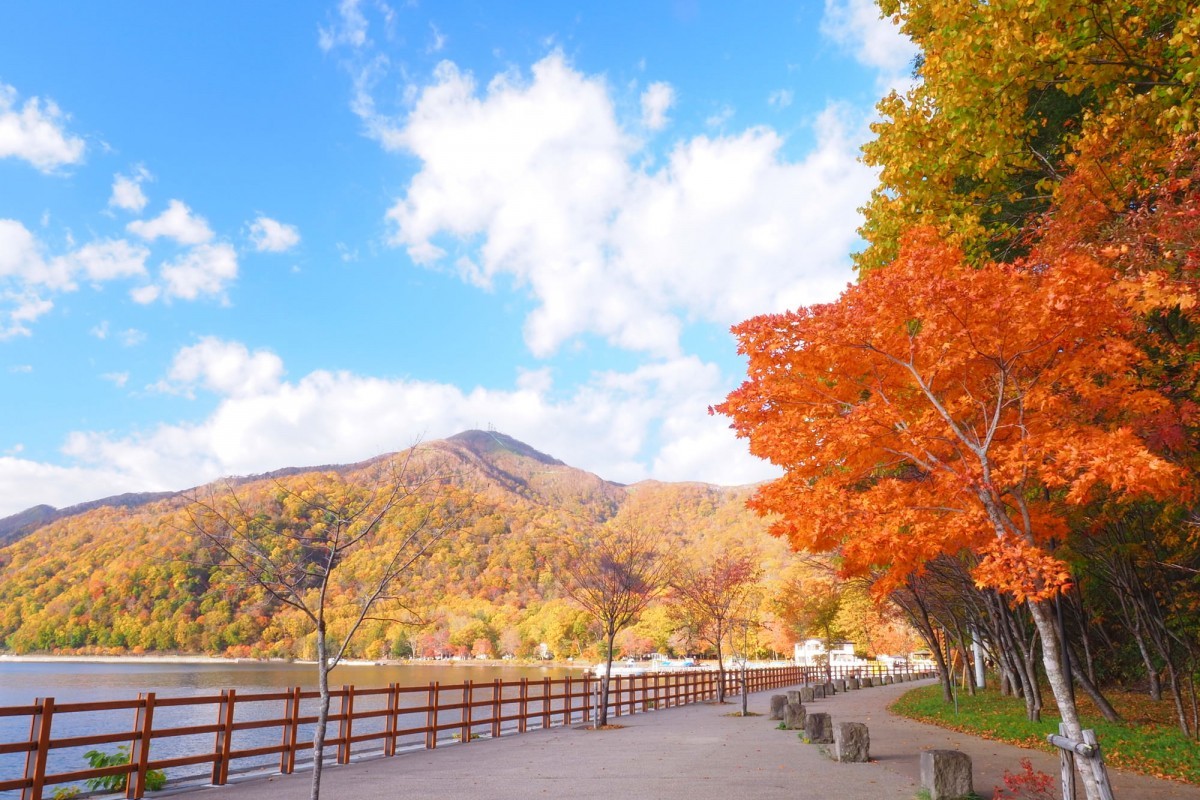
<point>1026,572</point>
<point>937,405</point>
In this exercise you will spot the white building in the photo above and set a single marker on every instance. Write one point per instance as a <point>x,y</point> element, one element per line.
<point>811,652</point>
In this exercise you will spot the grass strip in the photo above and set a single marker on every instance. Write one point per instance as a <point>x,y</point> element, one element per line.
<point>1148,742</point>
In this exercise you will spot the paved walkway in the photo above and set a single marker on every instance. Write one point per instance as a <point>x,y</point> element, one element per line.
<point>698,752</point>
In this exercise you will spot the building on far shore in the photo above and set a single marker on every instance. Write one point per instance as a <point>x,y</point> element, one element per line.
<point>811,652</point>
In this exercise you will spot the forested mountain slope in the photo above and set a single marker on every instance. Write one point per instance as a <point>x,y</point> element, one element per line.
<point>135,577</point>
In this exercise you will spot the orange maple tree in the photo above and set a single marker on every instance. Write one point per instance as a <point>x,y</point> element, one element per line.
<point>939,406</point>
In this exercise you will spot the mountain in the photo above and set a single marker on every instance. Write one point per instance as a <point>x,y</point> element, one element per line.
<point>26,522</point>
<point>129,573</point>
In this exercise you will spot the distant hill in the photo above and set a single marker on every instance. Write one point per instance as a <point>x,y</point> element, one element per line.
<point>26,522</point>
<point>126,574</point>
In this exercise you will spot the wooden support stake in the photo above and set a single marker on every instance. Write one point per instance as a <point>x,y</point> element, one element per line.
<point>345,724</point>
<point>139,748</point>
<point>39,740</point>
<point>467,698</point>
<point>545,703</point>
<point>224,737</point>
<point>390,726</point>
<point>291,725</point>
<point>431,716</point>
<point>1096,763</point>
<point>523,708</point>
<point>497,706</point>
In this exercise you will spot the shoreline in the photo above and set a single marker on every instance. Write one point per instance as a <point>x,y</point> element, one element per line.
<point>200,659</point>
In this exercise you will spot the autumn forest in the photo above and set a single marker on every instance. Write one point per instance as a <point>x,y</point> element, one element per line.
<point>991,436</point>
<point>141,579</point>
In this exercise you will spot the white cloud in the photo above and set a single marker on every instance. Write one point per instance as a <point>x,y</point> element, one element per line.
<point>27,276</point>
<point>131,337</point>
<point>781,98</point>
<point>541,175</point>
<point>203,270</point>
<point>226,368</point>
<point>105,260</point>
<point>100,331</point>
<point>20,253</point>
<point>127,191</point>
<point>350,27</point>
<point>622,426</point>
<point>118,379</point>
<point>271,236</point>
<point>35,132</point>
<point>873,40</point>
<point>145,294</point>
<point>25,483</point>
<point>657,100</point>
<point>719,119</point>
<point>437,41</point>
<point>177,222</point>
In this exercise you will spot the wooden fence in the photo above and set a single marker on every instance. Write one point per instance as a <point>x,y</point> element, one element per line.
<point>257,728</point>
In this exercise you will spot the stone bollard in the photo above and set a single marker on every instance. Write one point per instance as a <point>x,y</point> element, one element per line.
<point>854,683</point>
<point>807,695</point>
<point>839,685</point>
<point>794,716</point>
<point>778,703</point>
<point>829,690</point>
<point>851,742</point>
<point>867,683</point>
<point>887,680</point>
<point>793,696</point>
<point>818,729</point>
<point>946,774</point>
<point>819,691</point>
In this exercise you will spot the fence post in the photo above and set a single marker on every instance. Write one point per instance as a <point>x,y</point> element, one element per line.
<point>389,725</point>
<point>568,690</point>
<point>497,706</point>
<point>431,716</point>
<point>545,703</point>
<point>345,724</point>
<point>1096,762</point>
<point>468,695</point>
<point>39,740</point>
<point>523,707</point>
<point>1066,763</point>
<point>287,759</point>
<point>224,737</point>
<point>143,725</point>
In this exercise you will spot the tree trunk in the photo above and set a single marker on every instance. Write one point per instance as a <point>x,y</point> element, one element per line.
<point>746,691</point>
<point>1155,685</point>
<point>1059,686</point>
<point>1177,698</point>
<point>720,670</point>
<point>1085,683</point>
<point>605,681</point>
<point>322,714</point>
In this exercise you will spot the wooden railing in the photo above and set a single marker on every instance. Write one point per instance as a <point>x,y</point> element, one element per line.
<point>257,728</point>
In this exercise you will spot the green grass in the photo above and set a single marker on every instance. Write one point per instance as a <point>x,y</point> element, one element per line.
<point>1151,745</point>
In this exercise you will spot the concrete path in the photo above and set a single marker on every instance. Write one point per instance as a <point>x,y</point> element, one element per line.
<point>699,752</point>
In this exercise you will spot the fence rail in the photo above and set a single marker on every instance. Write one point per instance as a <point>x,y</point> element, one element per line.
<point>373,721</point>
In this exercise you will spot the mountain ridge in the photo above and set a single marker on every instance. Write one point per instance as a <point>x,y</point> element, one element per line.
<point>481,443</point>
<point>128,573</point>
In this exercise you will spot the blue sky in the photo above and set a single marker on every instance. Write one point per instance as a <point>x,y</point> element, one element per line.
<point>236,237</point>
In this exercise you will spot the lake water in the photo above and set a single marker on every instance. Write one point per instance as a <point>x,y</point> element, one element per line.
<point>71,681</point>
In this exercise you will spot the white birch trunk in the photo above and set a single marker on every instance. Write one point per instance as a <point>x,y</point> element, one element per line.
<point>1060,687</point>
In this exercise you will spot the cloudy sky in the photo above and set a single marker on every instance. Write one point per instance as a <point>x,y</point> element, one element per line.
<point>236,237</point>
